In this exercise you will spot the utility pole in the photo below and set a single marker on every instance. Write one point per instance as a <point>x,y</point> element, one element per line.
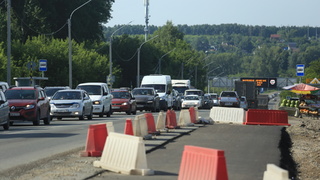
<point>9,42</point>
<point>146,29</point>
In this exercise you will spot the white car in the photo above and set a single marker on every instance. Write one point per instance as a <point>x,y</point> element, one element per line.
<point>243,102</point>
<point>71,103</point>
<point>191,101</point>
<point>101,97</point>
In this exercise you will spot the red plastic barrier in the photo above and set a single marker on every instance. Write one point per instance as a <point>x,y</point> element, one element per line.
<point>128,129</point>
<point>193,117</point>
<point>202,164</point>
<point>266,117</point>
<point>171,120</point>
<point>151,124</point>
<point>97,134</point>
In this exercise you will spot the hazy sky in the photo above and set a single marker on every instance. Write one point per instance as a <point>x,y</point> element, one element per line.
<point>191,12</point>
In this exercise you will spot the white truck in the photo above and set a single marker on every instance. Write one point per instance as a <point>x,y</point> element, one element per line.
<point>181,85</point>
<point>163,86</point>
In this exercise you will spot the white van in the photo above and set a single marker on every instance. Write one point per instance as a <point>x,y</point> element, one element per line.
<point>163,86</point>
<point>4,86</point>
<point>101,97</point>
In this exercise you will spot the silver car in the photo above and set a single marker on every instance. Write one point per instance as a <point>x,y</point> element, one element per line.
<point>71,103</point>
<point>4,111</point>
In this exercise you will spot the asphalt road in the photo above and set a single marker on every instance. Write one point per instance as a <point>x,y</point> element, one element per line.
<point>24,143</point>
<point>248,149</point>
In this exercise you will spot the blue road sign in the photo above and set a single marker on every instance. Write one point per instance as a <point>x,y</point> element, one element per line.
<point>300,69</point>
<point>43,65</point>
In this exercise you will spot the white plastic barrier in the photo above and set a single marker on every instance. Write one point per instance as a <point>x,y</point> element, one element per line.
<point>161,121</point>
<point>274,172</point>
<point>140,126</point>
<point>124,154</point>
<point>110,127</point>
<point>184,118</point>
<point>228,115</point>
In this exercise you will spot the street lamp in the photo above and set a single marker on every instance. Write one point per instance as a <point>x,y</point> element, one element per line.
<point>110,54</point>
<point>162,57</point>
<point>70,43</point>
<point>138,63</point>
<point>208,76</point>
<point>9,42</point>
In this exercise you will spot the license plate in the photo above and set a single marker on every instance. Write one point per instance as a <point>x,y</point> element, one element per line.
<point>14,114</point>
<point>62,110</point>
<point>228,103</point>
<point>116,107</point>
<point>139,105</point>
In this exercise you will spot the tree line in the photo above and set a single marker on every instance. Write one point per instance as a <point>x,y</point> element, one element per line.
<point>39,31</point>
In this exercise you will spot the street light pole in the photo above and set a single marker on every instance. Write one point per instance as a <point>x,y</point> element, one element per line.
<point>162,57</point>
<point>110,54</point>
<point>138,61</point>
<point>70,43</point>
<point>9,42</point>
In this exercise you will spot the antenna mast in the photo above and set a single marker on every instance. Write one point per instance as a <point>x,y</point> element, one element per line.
<point>146,30</point>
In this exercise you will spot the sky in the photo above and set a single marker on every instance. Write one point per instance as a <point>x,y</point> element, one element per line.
<point>214,12</point>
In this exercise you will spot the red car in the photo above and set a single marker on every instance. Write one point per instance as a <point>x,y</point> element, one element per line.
<point>28,104</point>
<point>123,101</point>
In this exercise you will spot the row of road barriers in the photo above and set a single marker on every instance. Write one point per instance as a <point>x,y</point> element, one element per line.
<point>249,117</point>
<point>126,153</point>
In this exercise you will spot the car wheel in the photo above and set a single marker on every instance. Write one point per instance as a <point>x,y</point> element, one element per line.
<point>102,113</point>
<point>129,111</point>
<point>90,115</point>
<point>154,107</point>
<point>47,120</point>
<point>7,125</point>
<point>36,122</point>
<point>82,115</point>
<point>134,112</point>
<point>109,112</point>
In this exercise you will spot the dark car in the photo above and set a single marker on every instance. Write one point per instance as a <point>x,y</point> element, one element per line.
<point>207,102</point>
<point>28,104</point>
<point>50,90</point>
<point>147,99</point>
<point>4,111</point>
<point>123,101</point>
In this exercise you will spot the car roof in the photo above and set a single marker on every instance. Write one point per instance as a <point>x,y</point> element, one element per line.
<point>144,88</point>
<point>72,90</point>
<point>56,87</point>
<point>92,83</point>
<point>120,90</point>
<point>24,87</point>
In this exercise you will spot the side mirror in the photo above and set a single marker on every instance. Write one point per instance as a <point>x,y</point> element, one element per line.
<point>86,98</point>
<point>105,93</point>
<point>168,92</point>
<point>2,101</point>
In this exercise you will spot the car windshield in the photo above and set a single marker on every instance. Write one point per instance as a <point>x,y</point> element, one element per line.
<point>160,88</point>
<point>191,97</point>
<point>214,96</point>
<point>20,94</point>
<point>66,95</point>
<point>228,94</point>
<point>120,95</point>
<point>199,93</point>
<point>142,92</point>
<point>50,92</point>
<point>91,89</point>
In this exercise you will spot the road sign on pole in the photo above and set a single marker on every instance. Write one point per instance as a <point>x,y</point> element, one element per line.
<point>43,65</point>
<point>300,70</point>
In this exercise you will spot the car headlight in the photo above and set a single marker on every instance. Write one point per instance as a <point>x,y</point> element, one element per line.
<point>29,106</point>
<point>75,105</point>
<point>125,103</point>
<point>150,102</point>
<point>96,102</point>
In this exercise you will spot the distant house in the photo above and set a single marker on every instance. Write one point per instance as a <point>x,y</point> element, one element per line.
<point>275,37</point>
<point>292,46</point>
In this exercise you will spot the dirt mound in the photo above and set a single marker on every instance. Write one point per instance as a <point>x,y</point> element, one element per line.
<point>305,148</point>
